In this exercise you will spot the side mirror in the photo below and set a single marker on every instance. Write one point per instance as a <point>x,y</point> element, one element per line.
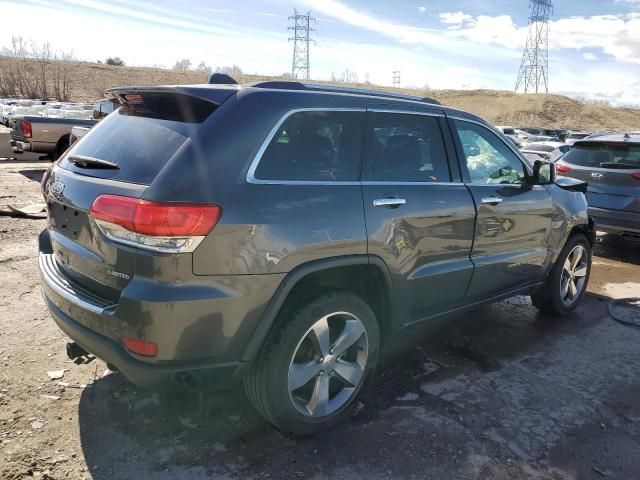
<point>544,173</point>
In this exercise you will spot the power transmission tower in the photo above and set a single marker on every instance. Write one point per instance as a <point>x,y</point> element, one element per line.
<point>301,67</point>
<point>396,78</point>
<point>534,68</point>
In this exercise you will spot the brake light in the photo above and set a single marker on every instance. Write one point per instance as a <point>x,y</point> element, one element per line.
<point>164,227</point>
<point>43,182</point>
<point>636,175</point>
<point>147,349</point>
<point>26,129</point>
<point>562,168</point>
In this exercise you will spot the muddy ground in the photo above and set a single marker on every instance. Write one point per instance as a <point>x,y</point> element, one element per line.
<point>500,392</point>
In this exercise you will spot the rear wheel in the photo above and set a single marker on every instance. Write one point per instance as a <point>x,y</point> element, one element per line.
<point>313,368</point>
<point>61,147</point>
<point>568,279</point>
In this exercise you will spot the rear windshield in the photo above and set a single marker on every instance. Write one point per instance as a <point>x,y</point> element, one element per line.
<point>140,138</point>
<point>604,155</point>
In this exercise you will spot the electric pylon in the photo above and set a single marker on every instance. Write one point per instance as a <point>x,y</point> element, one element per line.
<point>534,68</point>
<point>300,67</point>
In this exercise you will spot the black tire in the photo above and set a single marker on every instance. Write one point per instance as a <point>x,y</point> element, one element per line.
<point>548,298</point>
<point>61,147</point>
<point>267,384</point>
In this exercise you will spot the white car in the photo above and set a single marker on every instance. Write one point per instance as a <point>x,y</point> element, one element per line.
<point>511,133</point>
<point>575,136</point>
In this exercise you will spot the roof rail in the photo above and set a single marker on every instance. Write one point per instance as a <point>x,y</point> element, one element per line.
<point>314,87</point>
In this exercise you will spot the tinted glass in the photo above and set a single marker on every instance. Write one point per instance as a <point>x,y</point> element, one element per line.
<point>489,159</point>
<point>315,146</point>
<point>601,155</point>
<point>140,139</point>
<point>405,148</point>
<point>508,131</point>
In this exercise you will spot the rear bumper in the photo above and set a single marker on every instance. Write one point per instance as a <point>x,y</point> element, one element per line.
<point>201,331</point>
<point>18,147</point>
<point>183,376</point>
<point>615,221</point>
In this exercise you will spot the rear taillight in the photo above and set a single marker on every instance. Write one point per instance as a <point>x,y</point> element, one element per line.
<point>163,227</point>
<point>562,168</point>
<point>636,175</point>
<point>43,182</point>
<point>146,349</point>
<point>26,129</point>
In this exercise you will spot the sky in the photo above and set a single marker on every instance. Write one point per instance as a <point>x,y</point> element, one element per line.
<point>594,45</point>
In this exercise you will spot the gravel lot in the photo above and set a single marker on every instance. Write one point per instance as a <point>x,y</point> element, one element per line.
<point>499,392</point>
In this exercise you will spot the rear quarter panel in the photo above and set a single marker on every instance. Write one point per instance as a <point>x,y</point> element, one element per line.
<point>264,228</point>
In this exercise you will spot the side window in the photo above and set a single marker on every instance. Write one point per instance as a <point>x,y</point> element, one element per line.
<point>489,160</point>
<point>315,146</point>
<point>405,148</point>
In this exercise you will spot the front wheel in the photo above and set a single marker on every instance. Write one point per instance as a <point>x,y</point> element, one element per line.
<point>313,367</point>
<point>568,279</point>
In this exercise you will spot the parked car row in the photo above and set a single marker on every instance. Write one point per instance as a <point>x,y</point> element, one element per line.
<point>10,108</point>
<point>45,127</point>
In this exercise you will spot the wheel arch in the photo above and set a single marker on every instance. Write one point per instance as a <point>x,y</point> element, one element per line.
<point>312,279</point>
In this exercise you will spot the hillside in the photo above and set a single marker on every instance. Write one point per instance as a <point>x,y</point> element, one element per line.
<point>87,82</point>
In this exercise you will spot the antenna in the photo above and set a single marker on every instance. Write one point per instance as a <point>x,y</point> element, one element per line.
<point>534,68</point>
<point>301,67</point>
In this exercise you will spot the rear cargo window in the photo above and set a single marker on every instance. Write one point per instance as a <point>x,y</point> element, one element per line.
<point>140,138</point>
<point>315,146</point>
<point>604,155</point>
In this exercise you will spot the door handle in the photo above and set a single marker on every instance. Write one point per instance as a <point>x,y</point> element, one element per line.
<point>389,202</point>
<point>491,200</point>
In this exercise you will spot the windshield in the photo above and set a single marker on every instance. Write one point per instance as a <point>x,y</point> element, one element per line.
<point>604,155</point>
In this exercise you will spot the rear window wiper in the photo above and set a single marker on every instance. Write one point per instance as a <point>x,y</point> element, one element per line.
<point>91,162</point>
<point>618,165</point>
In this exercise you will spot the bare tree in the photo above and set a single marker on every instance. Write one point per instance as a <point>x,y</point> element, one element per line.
<point>203,68</point>
<point>43,56</point>
<point>183,64</point>
<point>62,75</point>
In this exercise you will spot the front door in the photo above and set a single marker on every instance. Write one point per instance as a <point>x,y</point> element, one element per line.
<point>514,217</point>
<point>419,218</point>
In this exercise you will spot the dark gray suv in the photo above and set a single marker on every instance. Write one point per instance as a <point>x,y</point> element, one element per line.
<point>277,233</point>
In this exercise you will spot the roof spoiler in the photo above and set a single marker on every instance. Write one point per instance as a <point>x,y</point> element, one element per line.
<point>221,79</point>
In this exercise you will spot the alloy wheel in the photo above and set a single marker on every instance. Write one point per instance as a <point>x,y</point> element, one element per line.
<point>328,364</point>
<point>574,275</point>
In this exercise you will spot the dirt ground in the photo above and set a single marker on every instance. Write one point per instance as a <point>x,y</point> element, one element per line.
<point>497,393</point>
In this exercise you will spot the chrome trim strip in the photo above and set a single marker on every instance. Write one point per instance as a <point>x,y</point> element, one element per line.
<point>406,112</point>
<point>250,177</point>
<point>58,286</point>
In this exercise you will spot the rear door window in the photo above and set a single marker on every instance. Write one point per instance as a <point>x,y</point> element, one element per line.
<point>314,146</point>
<point>140,138</point>
<point>405,148</point>
<point>604,155</point>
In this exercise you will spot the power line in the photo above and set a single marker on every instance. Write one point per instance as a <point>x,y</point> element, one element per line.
<point>534,67</point>
<point>301,67</point>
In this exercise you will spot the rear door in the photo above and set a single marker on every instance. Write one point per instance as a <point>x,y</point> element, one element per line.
<point>612,171</point>
<point>419,216</point>
<point>514,218</point>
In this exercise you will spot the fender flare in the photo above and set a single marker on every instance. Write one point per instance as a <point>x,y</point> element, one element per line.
<point>268,317</point>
